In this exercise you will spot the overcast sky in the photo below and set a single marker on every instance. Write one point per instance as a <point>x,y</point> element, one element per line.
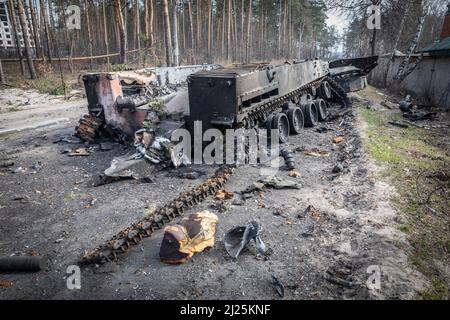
<point>337,20</point>
<point>340,22</point>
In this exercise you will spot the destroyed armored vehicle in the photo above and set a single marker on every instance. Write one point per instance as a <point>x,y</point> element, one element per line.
<point>285,97</point>
<point>118,102</point>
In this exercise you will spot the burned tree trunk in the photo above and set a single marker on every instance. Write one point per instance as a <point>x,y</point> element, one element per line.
<point>11,11</point>
<point>176,50</point>
<point>249,29</point>
<point>26,39</point>
<point>105,34</point>
<point>167,33</point>
<point>122,31</point>
<point>191,26</point>
<point>241,54</point>
<point>45,22</point>
<point>37,42</point>
<point>148,22</point>
<point>2,75</point>
<point>209,29</point>
<point>137,27</point>
<point>88,25</point>
<point>229,32</point>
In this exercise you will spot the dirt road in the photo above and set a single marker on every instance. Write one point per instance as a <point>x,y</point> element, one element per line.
<point>322,239</point>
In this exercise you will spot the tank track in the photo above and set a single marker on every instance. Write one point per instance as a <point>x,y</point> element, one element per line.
<point>127,238</point>
<point>89,128</point>
<point>261,113</point>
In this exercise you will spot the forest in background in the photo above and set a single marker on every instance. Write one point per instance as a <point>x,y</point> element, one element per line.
<point>178,32</point>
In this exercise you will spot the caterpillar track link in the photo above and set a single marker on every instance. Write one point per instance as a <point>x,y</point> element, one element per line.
<point>89,128</point>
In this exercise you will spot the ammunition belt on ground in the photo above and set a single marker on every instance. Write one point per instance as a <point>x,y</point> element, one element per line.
<point>124,240</point>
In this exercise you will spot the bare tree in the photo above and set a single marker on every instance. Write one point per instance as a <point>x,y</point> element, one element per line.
<point>2,74</point>
<point>249,29</point>
<point>105,32</point>
<point>209,29</point>
<point>167,33</point>
<point>37,41</point>
<point>191,27</point>
<point>229,32</point>
<point>26,38</point>
<point>148,21</point>
<point>89,32</point>
<point>176,49</point>
<point>46,28</point>
<point>11,12</point>
<point>122,31</point>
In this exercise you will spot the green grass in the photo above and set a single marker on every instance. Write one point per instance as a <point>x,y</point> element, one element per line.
<point>12,109</point>
<point>117,67</point>
<point>71,197</point>
<point>49,84</point>
<point>409,162</point>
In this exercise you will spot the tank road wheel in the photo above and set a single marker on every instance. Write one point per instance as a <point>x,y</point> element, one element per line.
<point>281,122</point>
<point>296,120</point>
<point>269,121</point>
<point>311,115</point>
<point>313,92</point>
<point>321,106</point>
<point>325,91</point>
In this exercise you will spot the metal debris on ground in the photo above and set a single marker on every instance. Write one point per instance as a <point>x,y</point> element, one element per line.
<point>21,264</point>
<point>312,212</point>
<point>341,274</point>
<point>419,116</point>
<point>338,281</point>
<point>190,175</point>
<point>294,174</point>
<point>6,164</point>
<point>67,141</point>
<point>406,106</point>
<point>338,168</point>
<point>239,199</point>
<point>288,157</point>
<point>81,152</point>
<point>106,146</point>
<point>397,124</point>
<point>223,195</point>
<point>5,284</point>
<point>192,235</point>
<point>318,154</point>
<point>338,140</point>
<point>278,286</point>
<point>256,186</point>
<point>323,129</point>
<point>121,166</point>
<point>238,238</point>
<point>388,104</point>
<point>279,183</point>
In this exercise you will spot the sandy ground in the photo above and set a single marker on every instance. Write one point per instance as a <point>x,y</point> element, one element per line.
<point>43,209</point>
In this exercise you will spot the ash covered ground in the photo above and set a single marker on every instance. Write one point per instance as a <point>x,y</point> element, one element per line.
<point>321,238</point>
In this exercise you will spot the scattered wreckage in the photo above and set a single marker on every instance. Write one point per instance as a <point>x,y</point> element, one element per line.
<point>285,97</point>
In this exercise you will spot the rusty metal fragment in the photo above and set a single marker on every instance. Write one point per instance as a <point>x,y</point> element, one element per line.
<point>192,235</point>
